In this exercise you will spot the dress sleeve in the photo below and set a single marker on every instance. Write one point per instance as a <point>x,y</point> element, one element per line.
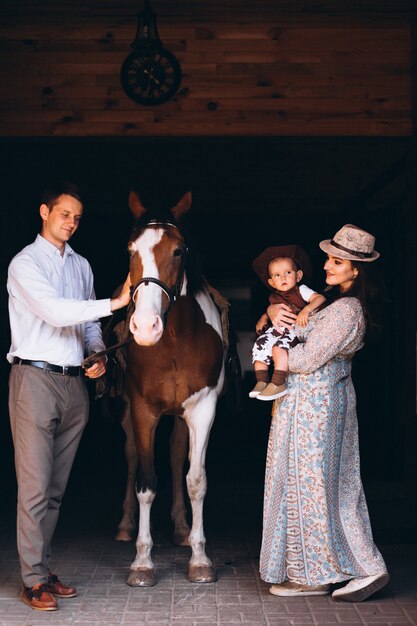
<point>339,329</point>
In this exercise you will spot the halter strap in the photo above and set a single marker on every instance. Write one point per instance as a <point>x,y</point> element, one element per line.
<point>159,223</point>
<point>168,291</point>
<point>173,292</point>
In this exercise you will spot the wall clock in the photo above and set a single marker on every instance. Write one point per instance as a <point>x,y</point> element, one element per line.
<point>151,74</point>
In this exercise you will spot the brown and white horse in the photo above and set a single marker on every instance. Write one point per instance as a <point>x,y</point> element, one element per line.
<point>175,366</point>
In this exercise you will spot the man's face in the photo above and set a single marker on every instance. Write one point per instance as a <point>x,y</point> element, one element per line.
<point>61,222</point>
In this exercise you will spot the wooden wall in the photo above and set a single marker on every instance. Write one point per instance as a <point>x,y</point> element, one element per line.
<point>248,69</point>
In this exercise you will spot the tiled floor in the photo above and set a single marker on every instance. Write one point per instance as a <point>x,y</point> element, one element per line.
<point>99,566</point>
<point>87,556</point>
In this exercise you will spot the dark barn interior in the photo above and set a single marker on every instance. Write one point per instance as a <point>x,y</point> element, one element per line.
<point>291,120</point>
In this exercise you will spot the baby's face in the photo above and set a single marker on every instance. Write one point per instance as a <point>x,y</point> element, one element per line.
<point>283,274</point>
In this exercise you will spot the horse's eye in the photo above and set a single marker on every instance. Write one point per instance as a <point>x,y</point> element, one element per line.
<point>178,252</point>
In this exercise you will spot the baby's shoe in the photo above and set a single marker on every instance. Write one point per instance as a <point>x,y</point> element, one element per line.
<point>260,386</point>
<point>272,392</point>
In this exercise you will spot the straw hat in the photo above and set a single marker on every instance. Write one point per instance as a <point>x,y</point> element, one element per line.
<point>352,243</point>
<point>294,252</point>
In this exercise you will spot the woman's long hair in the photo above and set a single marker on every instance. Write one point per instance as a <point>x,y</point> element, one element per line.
<point>369,289</point>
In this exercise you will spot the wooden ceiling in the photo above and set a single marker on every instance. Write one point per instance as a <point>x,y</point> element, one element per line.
<point>181,10</point>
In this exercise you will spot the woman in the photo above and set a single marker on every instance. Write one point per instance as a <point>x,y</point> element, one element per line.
<point>316,526</point>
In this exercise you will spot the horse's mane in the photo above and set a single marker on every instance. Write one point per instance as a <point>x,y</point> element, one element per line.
<point>195,278</point>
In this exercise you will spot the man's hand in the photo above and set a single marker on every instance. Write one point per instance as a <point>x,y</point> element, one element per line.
<point>123,298</point>
<point>281,315</point>
<point>98,369</point>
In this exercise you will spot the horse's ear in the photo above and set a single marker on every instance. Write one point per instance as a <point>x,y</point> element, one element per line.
<point>136,205</point>
<point>183,206</point>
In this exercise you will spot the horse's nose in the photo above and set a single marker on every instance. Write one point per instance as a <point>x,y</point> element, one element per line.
<point>132,325</point>
<point>146,330</point>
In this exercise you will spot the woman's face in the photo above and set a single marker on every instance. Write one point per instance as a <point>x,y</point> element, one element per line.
<point>339,272</point>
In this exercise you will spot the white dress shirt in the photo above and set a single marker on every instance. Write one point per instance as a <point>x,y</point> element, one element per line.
<point>52,307</point>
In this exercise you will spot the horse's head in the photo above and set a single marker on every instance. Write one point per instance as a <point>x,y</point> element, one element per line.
<point>157,268</point>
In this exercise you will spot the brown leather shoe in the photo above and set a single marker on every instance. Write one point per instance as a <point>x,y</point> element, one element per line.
<point>39,598</point>
<point>57,588</point>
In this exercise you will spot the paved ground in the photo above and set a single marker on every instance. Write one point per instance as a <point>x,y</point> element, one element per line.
<point>98,566</point>
<point>86,555</point>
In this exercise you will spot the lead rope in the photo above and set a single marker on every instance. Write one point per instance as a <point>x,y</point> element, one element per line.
<point>93,358</point>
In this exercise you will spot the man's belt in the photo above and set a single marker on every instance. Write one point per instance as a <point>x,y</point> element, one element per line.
<point>65,370</point>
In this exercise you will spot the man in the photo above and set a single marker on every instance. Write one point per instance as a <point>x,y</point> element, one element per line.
<point>54,323</point>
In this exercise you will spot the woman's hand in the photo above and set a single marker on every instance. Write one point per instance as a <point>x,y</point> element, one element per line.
<point>261,323</point>
<point>281,315</point>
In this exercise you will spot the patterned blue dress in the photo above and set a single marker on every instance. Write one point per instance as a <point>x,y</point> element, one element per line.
<point>316,527</point>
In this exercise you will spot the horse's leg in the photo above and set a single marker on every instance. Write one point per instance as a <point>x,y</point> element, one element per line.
<point>199,415</point>
<point>128,523</point>
<point>178,449</point>
<point>142,570</point>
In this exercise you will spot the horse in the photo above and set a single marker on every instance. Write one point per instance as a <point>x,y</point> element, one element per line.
<point>175,365</point>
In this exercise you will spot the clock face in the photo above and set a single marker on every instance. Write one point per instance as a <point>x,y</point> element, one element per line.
<point>151,79</point>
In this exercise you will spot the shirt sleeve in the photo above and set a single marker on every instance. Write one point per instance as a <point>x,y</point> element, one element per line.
<point>306,292</point>
<point>27,284</point>
<point>93,338</point>
<point>340,326</point>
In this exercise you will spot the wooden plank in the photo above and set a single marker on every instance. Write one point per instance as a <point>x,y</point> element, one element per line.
<point>71,116</point>
<point>196,12</point>
<point>330,43</point>
<point>75,104</point>
<point>83,46</point>
<point>63,69</point>
<point>123,105</point>
<point>202,126</point>
<point>96,53</point>
<point>21,91</point>
<point>347,106</point>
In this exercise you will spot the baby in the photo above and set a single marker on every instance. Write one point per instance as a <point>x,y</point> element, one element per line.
<point>281,268</point>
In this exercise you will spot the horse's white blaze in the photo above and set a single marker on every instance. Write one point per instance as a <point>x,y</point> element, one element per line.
<point>144,541</point>
<point>199,412</point>
<point>146,321</point>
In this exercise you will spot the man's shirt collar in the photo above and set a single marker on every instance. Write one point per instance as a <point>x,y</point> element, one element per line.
<point>50,249</point>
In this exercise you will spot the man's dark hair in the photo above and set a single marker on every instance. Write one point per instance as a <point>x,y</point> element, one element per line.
<point>53,191</point>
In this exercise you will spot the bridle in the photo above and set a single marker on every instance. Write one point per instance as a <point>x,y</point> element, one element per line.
<point>173,292</point>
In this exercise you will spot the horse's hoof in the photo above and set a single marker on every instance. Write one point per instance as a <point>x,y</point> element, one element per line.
<point>181,539</point>
<point>123,535</point>
<point>141,578</point>
<point>201,574</point>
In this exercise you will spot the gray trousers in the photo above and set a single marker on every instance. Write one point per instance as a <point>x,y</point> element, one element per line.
<point>48,413</point>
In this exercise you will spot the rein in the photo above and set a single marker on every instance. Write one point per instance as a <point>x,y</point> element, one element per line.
<point>93,358</point>
<point>171,293</point>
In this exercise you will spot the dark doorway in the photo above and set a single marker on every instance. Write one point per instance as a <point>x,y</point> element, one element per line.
<point>247,194</point>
